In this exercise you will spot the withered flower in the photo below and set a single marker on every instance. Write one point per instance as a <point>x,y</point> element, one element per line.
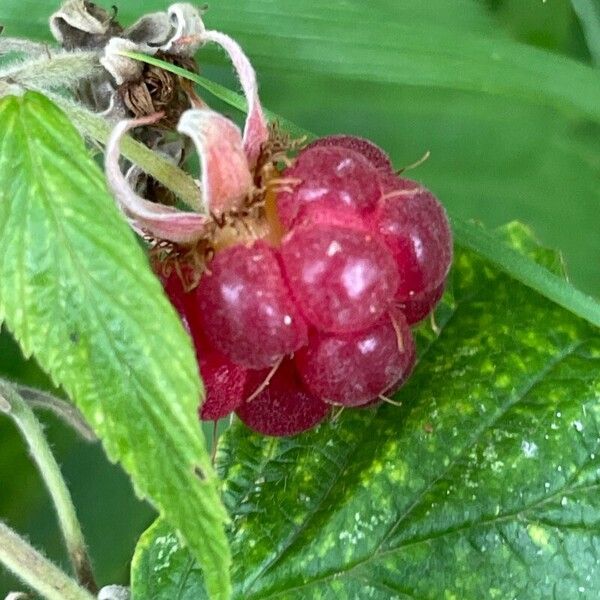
<point>126,88</point>
<point>228,158</point>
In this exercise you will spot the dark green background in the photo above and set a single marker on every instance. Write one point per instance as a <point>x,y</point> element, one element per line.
<point>493,157</point>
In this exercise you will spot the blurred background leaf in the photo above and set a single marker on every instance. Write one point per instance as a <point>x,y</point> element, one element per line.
<point>523,154</point>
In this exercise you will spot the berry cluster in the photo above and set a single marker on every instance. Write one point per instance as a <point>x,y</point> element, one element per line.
<point>305,279</point>
<point>321,317</point>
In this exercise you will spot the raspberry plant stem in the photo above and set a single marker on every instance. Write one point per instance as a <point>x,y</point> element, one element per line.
<point>35,570</point>
<point>94,127</point>
<point>13,404</point>
<point>63,410</point>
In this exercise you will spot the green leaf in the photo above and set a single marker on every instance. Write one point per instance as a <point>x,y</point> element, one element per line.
<point>484,485</point>
<point>588,12</point>
<point>76,291</point>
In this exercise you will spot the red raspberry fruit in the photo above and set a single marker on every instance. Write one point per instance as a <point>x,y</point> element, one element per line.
<point>373,153</point>
<point>355,368</point>
<point>328,178</point>
<point>284,407</point>
<point>416,230</point>
<point>245,308</point>
<point>343,280</point>
<point>224,381</point>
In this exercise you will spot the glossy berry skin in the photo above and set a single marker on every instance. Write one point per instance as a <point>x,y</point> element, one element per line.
<point>342,280</point>
<point>373,153</point>
<point>224,381</point>
<point>224,384</point>
<point>415,228</point>
<point>421,305</point>
<point>285,407</point>
<point>328,178</point>
<point>354,369</point>
<point>245,308</point>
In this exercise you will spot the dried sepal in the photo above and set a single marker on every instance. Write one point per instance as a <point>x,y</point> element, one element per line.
<point>121,68</point>
<point>176,32</point>
<point>188,26</point>
<point>226,177</point>
<point>161,222</point>
<point>256,131</point>
<point>83,25</point>
<point>152,30</point>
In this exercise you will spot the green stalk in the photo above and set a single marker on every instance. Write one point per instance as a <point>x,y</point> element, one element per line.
<point>63,410</point>
<point>23,416</point>
<point>526,271</point>
<point>95,127</point>
<point>35,570</point>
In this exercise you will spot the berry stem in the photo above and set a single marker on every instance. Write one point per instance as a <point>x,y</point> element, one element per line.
<point>95,128</point>
<point>63,410</point>
<point>14,406</point>
<point>35,570</point>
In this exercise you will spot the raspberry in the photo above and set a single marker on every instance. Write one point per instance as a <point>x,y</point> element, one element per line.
<point>224,381</point>
<point>374,154</point>
<point>366,253</point>
<point>284,407</point>
<point>328,178</point>
<point>343,280</point>
<point>245,308</point>
<point>317,271</point>
<point>420,305</point>
<point>355,368</point>
<point>415,229</point>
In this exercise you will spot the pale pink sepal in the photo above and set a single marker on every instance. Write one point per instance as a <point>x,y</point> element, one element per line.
<point>226,177</point>
<point>256,131</point>
<point>162,222</point>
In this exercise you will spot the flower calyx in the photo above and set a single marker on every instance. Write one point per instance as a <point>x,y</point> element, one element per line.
<point>236,165</point>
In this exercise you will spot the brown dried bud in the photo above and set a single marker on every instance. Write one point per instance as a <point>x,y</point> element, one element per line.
<point>158,91</point>
<point>80,24</point>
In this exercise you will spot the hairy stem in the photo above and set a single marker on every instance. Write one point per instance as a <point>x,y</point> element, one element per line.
<point>63,410</point>
<point>51,70</point>
<point>17,408</point>
<point>22,46</point>
<point>35,570</point>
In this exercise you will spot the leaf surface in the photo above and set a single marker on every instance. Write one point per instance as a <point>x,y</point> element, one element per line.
<point>484,484</point>
<point>76,291</point>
